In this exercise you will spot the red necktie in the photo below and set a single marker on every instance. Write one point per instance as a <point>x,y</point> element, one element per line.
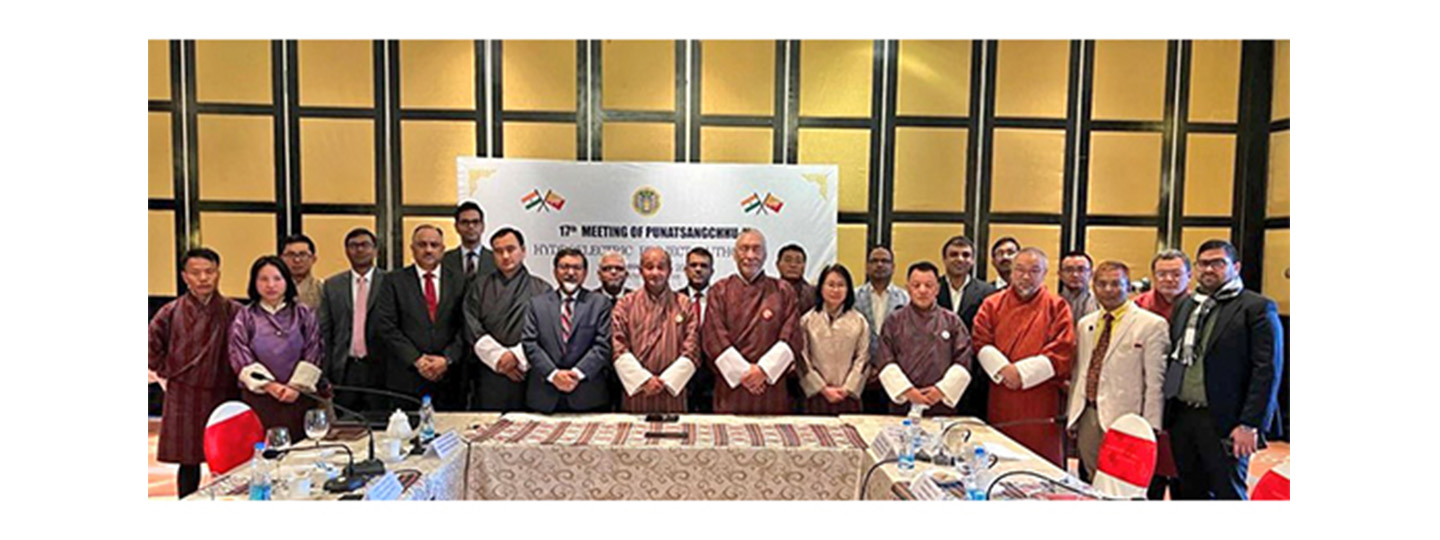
<point>431,299</point>
<point>695,306</point>
<point>1092,376</point>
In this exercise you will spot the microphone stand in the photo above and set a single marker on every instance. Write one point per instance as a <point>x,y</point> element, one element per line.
<point>365,469</point>
<point>341,484</point>
<point>415,448</point>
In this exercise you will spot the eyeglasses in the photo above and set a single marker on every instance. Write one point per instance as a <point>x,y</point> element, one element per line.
<point>1213,264</point>
<point>295,256</point>
<point>612,268</point>
<point>573,267</point>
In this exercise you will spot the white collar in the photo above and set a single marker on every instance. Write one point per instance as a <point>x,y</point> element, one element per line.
<point>270,310</point>
<point>368,274</point>
<point>421,273</point>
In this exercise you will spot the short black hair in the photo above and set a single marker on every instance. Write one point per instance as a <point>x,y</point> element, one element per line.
<point>361,231</point>
<point>923,266</point>
<point>1170,255</point>
<point>298,238</point>
<point>469,205</point>
<point>1218,244</point>
<point>957,240</point>
<point>570,252</point>
<point>199,253</point>
<point>271,260</point>
<point>701,252</point>
<point>1004,239</point>
<point>836,268</point>
<point>791,247</point>
<point>1078,253</point>
<point>520,238</point>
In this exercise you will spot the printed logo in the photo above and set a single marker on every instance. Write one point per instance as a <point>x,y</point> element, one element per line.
<point>645,201</point>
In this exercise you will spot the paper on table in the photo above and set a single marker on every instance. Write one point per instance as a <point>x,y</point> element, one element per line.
<point>1001,451</point>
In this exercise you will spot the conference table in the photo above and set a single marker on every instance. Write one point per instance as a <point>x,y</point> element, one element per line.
<point>524,456</point>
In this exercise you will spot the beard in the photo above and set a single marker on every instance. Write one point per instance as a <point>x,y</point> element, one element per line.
<point>569,287</point>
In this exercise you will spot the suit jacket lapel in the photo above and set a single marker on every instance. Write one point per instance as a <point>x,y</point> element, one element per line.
<point>1120,334</point>
<point>349,300</point>
<point>1223,314</point>
<point>370,299</point>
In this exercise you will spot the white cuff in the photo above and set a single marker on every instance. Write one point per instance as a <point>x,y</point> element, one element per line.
<point>678,375</point>
<point>775,360</point>
<point>993,361</point>
<point>489,351</point>
<point>305,377</point>
<point>732,366</point>
<point>251,383</point>
<point>631,373</point>
<point>1034,370</point>
<point>953,384</point>
<point>523,364</point>
<point>895,382</point>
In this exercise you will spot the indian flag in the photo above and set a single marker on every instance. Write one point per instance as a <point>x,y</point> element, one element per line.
<point>554,200</point>
<point>751,203</point>
<point>773,203</point>
<point>532,200</point>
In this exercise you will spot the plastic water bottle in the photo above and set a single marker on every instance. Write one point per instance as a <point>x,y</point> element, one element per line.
<point>978,481</point>
<point>906,453</point>
<point>259,475</point>
<point>427,420</point>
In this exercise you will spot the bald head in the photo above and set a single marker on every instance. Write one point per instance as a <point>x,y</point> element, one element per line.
<point>655,270</point>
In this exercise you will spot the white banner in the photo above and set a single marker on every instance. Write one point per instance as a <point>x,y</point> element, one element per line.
<point>627,207</point>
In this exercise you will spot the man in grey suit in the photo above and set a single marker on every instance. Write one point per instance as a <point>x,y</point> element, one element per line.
<point>962,293</point>
<point>471,258</point>
<point>347,302</point>
<point>567,340</point>
<point>418,318</point>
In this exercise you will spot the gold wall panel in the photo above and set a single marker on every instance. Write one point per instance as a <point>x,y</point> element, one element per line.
<point>437,74</point>
<point>835,77</point>
<point>329,232</point>
<point>159,55</point>
<point>452,238</point>
<point>736,145</point>
<point>1125,174</point>
<point>1192,237</point>
<point>539,141</point>
<point>1277,200</point>
<point>850,243</point>
<point>162,165</point>
<point>934,78</point>
<point>538,75</point>
<point>1129,80</point>
<point>1209,174</point>
<point>848,148</point>
<point>915,242</point>
<point>1280,108</point>
<point>737,77</point>
<point>1215,81</point>
<point>162,271</point>
<point>638,75</point>
<point>1277,261</point>
<point>1045,237</point>
<point>1028,172</point>
<point>1032,78</point>
<point>236,157</point>
<point>239,238</point>
<point>233,72</point>
<point>336,73</point>
<point>1134,246</point>
<point>930,169</point>
<point>427,159</point>
<point>337,161</point>
<point>638,142</point>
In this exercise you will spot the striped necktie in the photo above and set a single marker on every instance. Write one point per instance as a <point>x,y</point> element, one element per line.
<point>1092,375</point>
<point>567,311</point>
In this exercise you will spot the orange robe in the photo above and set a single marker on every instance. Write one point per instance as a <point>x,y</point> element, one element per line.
<point>1022,329</point>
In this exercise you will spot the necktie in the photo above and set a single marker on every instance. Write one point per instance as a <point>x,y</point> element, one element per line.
<point>431,299</point>
<point>695,308</point>
<point>470,263</point>
<point>566,312</point>
<point>1092,376</point>
<point>357,321</point>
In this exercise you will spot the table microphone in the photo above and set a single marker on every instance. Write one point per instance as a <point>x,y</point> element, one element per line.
<point>345,483</point>
<point>371,466</point>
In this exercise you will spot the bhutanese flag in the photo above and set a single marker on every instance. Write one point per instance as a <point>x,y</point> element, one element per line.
<point>751,203</point>
<point>532,200</point>
<point>773,203</point>
<point>554,200</point>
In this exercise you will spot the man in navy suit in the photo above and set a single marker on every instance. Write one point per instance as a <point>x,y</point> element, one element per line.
<point>567,340</point>
<point>1227,351</point>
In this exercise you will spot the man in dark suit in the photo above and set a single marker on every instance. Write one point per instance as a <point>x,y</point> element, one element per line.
<point>471,259</point>
<point>347,304</point>
<point>1227,353</point>
<point>419,320</point>
<point>567,340</point>
<point>961,293</point>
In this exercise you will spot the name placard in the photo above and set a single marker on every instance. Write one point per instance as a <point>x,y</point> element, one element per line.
<point>443,446</point>
<point>386,488</point>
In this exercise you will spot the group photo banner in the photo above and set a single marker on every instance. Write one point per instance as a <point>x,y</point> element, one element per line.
<point>628,207</point>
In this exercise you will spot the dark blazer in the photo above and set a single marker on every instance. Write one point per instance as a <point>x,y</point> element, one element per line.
<point>406,331</point>
<point>974,294</point>
<point>588,350</point>
<point>336,308</point>
<point>1243,361</point>
<point>451,261</point>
